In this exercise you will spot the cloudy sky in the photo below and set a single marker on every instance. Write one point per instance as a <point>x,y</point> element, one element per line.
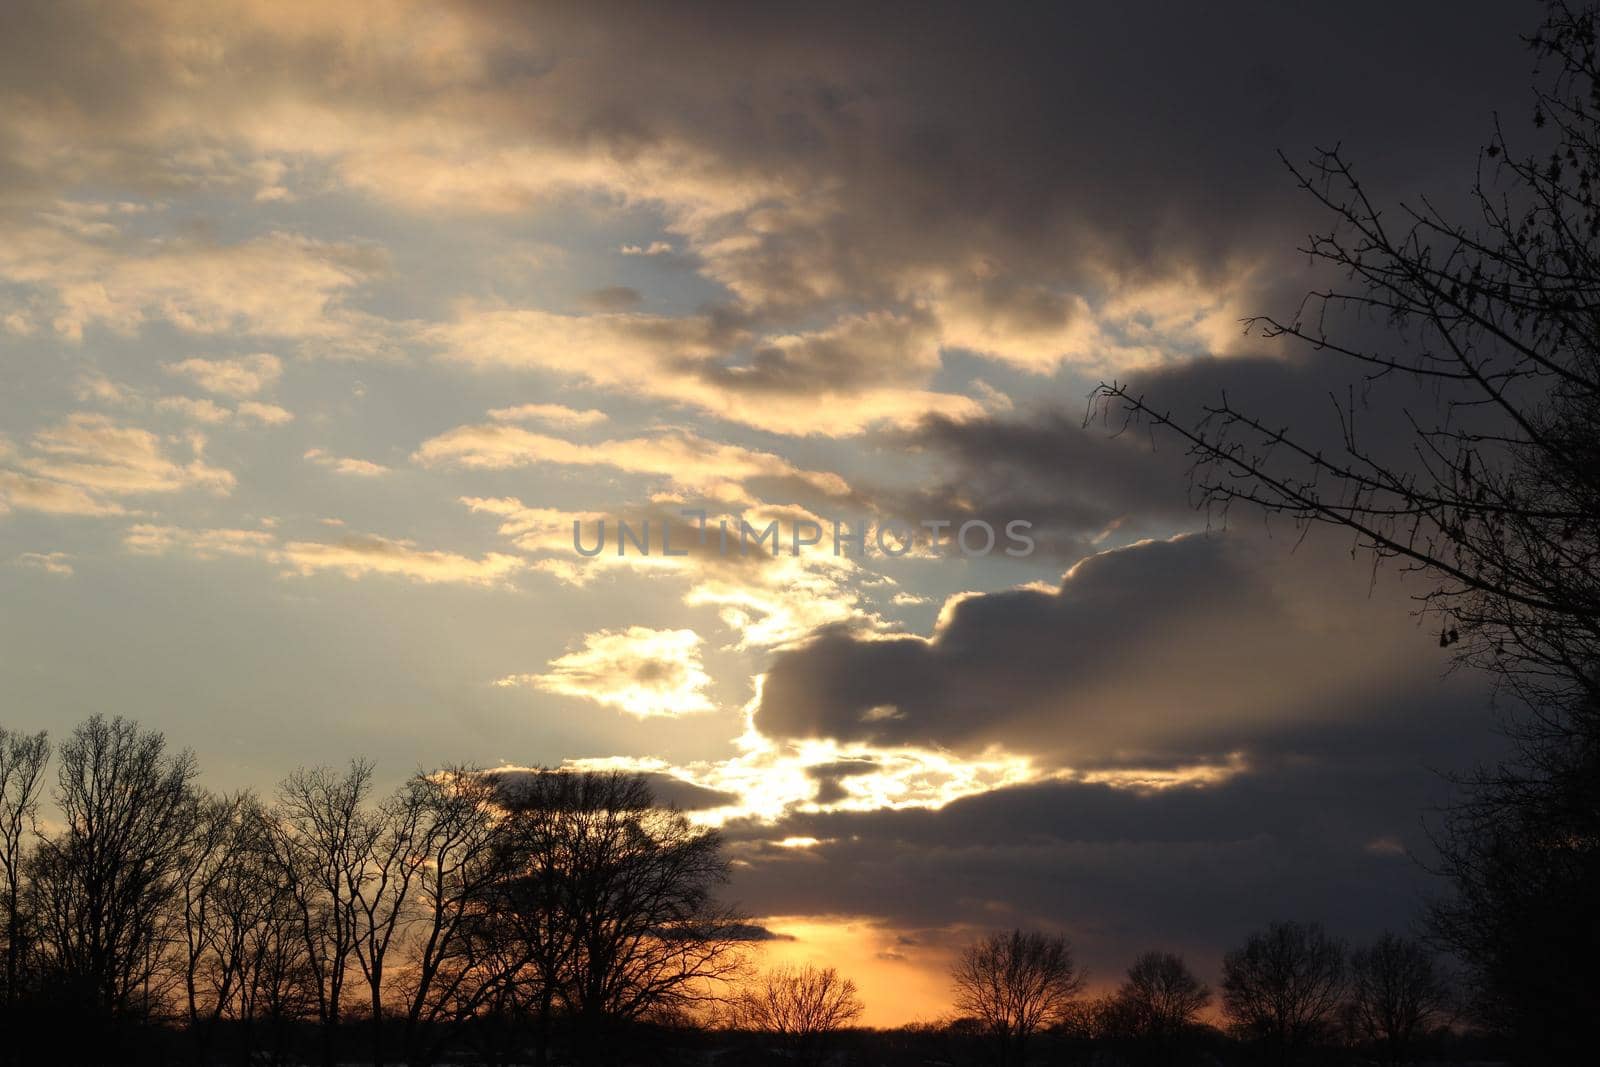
<point>321,323</point>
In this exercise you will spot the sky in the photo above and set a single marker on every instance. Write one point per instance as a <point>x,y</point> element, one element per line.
<point>322,324</point>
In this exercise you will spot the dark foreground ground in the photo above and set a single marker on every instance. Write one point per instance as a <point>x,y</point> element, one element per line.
<point>57,1041</point>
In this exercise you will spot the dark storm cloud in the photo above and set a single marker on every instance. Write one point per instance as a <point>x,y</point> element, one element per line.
<point>1193,645</point>
<point>667,789</point>
<point>1328,823</point>
<point>1097,473</point>
<point>862,352</point>
<point>686,796</point>
<point>829,777</point>
<point>612,298</point>
<point>991,165</point>
<point>1062,141</point>
<point>1076,484</point>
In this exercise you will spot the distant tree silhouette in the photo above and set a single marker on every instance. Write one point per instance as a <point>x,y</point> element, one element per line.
<point>22,764</point>
<point>1283,988</point>
<point>803,1006</point>
<point>1493,352</point>
<point>1396,992</point>
<point>1016,984</point>
<point>102,888</point>
<point>1157,1003</point>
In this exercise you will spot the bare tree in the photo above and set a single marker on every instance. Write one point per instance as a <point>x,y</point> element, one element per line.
<point>1488,372</point>
<point>223,830</point>
<point>1396,993</point>
<point>380,887</point>
<point>803,1006</point>
<point>242,919</point>
<point>1284,987</point>
<point>102,886</point>
<point>1159,1000</point>
<point>1015,984</point>
<point>462,866</point>
<point>322,842</point>
<point>22,762</point>
<point>278,984</point>
<point>615,896</point>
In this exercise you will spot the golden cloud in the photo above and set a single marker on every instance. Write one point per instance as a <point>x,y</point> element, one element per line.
<point>643,672</point>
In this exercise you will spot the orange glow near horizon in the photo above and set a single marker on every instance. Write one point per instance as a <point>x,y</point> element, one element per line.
<point>899,981</point>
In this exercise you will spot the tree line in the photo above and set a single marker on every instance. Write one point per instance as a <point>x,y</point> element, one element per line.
<point>531,917</point>
<point>1291,992</point>
<point>496,912</point>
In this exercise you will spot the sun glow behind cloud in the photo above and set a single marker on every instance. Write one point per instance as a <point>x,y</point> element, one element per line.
<point>361,308</point>
<point>646,673</point>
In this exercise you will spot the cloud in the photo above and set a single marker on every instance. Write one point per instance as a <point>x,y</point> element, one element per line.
<point>241,377</point>
<point>202,410</point>
<point>805,199</point>
<point>680,458</point>
<point>280,284</point>
<point>355,556</point>
<point>96,387</point>
<point>195,409</point>
<point>1194,645</point>
<point>57,563</point>
<point>864,369</point>
<point>1024,207</point>
<point>769,780</point>
<point>1189,868</point>
<point>769,600</point>
<point>73,466</point>
<point>612,298</point>
<point>51,497</point>
<point>666,789</point>
<point>643,672</point>
<point>533,530</point>
<point>550,414</point>
<point>1083,487</point>
<point>265,414</point>
<point>148,539</point>
<point>360,468</point>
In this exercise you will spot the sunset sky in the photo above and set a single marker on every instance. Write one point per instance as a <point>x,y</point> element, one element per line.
<point>320,323</point>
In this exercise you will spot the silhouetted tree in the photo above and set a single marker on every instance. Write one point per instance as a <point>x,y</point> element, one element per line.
<point>1524,858</point>
<point>22,763</point>
<point>277,988</point>
<point>1158,1002</point>
<point>803,1006</point>
<point>322,841</point>
<point>102,887</point>
<point>612,896</point>
<point>1493,352</point>
<point>1016,984</point>
<point>1283,988</point>
<point>453,974</point>
<point>381,888</point>
<point>225,834</point>
<point>1396,993</point>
